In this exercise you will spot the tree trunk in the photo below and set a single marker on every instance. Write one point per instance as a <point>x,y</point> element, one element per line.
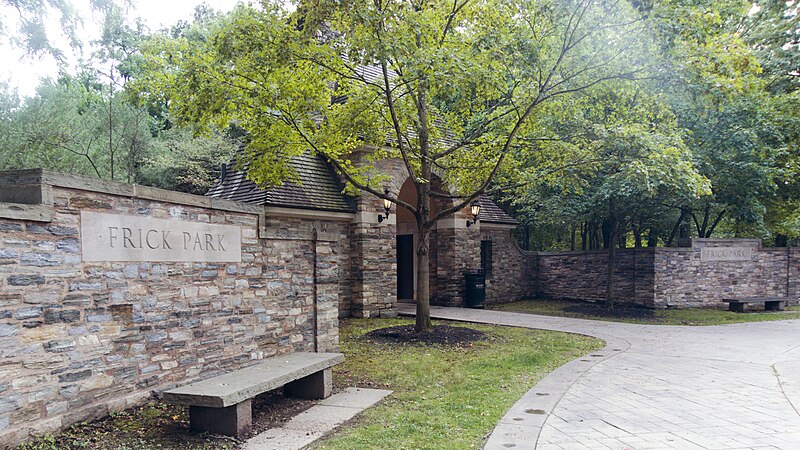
<point>572,238</point>
<point>584,234</point>
<point>781,240</point>
<point>423,215</point>
<point>527,245</point>
<point>637,238</point>
<point>677,227</point>
<point>423,322</point>
<point>612,253</point>
<point>652,238</point>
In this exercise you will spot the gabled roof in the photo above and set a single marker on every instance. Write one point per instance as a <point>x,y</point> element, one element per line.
<point>318,188</point>
<point>491,213</point>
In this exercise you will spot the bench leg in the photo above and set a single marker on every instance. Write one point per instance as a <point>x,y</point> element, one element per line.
<point>234,420</point>
<point>736,307</point>
<point>774,306</point>
<point>315,386</point>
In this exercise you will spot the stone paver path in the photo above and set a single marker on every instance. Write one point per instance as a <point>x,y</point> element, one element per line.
<point>658,387</point>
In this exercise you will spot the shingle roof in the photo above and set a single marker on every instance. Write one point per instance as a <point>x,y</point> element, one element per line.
<point>318,188</point>
<point>491,213</point>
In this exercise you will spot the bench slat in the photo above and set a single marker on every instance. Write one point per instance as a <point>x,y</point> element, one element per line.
<point>234,387</point>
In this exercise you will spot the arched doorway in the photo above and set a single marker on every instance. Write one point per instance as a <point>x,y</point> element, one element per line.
<point>408,239</point>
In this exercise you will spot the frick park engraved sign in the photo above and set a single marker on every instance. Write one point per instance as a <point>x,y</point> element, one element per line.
<point>726,254</point>
<point>114,237</point>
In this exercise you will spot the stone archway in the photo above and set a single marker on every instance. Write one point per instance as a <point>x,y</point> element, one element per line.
<point>407,240</point>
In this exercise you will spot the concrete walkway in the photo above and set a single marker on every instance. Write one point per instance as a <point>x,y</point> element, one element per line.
<point>317,421</point>
<point>657,387</point>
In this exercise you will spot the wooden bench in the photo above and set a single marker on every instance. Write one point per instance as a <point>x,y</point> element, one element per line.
<point>222,404</point>
<point>770,303</point>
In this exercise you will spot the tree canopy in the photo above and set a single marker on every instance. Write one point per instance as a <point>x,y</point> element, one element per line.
<point>602,124</point>
<point>453,89</point>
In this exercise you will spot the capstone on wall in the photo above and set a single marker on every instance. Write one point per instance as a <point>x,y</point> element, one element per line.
<point>82,339</point>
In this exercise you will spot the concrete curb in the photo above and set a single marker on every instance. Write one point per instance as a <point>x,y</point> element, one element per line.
<point>521,425</point>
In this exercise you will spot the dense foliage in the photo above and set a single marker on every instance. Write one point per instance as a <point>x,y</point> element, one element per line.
<point>86,124</point>
<point>601,124</point>
<point>727,86</point>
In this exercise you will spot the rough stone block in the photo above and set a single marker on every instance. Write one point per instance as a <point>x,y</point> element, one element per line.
<point>28,313</point>
<point>10,227</point>
<point>74,376</point>
<point>60,316</point>
<point>25,280</point>
<point>7,330</point>
<point>41,259</point>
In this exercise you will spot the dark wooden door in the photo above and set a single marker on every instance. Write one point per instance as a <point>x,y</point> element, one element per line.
<point>405,267</point>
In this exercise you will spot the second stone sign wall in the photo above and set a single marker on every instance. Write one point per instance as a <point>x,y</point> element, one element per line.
<point>697,276</point>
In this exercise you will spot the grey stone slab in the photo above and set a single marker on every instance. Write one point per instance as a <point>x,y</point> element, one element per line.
<point>357,398</point>
<point>19,211</point>
<point>317,421</point>
<point>234,387</point>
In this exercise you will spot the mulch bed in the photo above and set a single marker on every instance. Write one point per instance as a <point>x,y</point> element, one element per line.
<point>444,335</point>
<point>272,409</point>
<point>165,426</point>
<point>619,311</point>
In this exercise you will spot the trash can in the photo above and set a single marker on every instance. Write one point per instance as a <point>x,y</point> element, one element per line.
<point>475,296</point>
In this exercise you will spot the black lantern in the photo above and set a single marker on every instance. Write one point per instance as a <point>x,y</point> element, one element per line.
<point>387,205</point>
<point>475,209</point>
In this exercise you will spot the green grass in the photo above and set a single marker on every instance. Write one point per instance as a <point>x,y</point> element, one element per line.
<point>444,397</point>
<point>696,316</point>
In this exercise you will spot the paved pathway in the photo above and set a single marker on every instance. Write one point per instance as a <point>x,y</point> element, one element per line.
<point>314,423</point>
<point>658,387</point>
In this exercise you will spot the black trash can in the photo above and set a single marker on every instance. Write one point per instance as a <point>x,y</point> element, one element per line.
<point>475,296</point>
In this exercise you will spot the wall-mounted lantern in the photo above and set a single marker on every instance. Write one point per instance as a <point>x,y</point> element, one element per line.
<point>475,209</point>
<point>387,205</point>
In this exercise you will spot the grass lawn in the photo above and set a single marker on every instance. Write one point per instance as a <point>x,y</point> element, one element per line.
<point>698,316</point>
<point>444,397</point>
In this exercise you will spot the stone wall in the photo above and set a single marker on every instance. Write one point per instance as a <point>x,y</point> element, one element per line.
<point>512,277</point>
<point>82,339</point>
<point>373,271</point>
<point>373,254</point>
<point>583,275</point>
<point>454,250</point>
<point>672,277</point>
<point>684,279</point>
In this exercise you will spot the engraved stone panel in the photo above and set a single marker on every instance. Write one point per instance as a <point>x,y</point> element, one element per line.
<point>115,237</point>
<point>726,254</point>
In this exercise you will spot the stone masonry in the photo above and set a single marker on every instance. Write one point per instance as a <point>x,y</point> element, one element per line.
<point>82,339</point>
<point>683,279</point>
<point>671,277</point>
<point>512,275</point>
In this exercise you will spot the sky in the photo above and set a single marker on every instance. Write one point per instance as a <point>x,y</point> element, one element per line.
<point>23,73</point>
